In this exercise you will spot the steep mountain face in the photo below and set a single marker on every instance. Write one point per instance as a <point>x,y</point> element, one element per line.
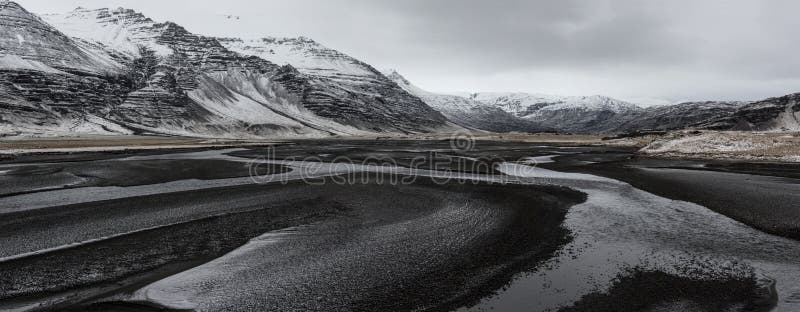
<point>117,71</point>
<point>49,81</point>
<point>340,87</point>
<point>168,74</point>
<point>773,114</point>
<point>674,117</point>
<point>586,114</point>
<point>466,112</point>
<point>26,36</point>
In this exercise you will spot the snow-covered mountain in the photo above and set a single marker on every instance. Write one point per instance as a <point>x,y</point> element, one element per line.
<point>49,82</point>
<point>467,112</point>
<point>526,104</point>
<point>578,114</point>
<point>339,86</point>
<point>601,114</point>
<point>676,116</point>
<point>307,56</point>
<point>117,71</point>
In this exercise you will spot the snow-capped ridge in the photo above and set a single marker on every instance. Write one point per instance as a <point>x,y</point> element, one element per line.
<point>526,104</point>
<point>466,112</point>
<point>305,54</point>
<point>31,38</point>
<point>196,86</point>
<point>405,84</point>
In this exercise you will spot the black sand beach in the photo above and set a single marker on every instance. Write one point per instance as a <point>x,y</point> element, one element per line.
<point>167,233</point>
<point>763,195</point>
<point>426,245</point>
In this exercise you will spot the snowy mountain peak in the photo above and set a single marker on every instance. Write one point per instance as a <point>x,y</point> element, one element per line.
<point>4,4</point>
<point>524,104</point>
<point>308,56</point>
<point>120,30</point>
<point>393,75</point>
<point>285,40</point>
<point>401,81</point>
<point>464,111</point>
<point>30,42</point>
<point>120,14</point>
<point>11,10</point>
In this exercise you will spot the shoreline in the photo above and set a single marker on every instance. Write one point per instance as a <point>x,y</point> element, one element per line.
<point>762,195</point>
<point>493,270</point>
<point>12,148</point>
<point>492,280</point>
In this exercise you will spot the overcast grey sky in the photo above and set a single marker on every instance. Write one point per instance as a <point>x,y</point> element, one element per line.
<point>630,49</point>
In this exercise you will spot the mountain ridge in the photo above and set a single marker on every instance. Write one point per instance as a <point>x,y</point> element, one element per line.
<point>467,112</point>
<point>117,71</point>
<point>171,81</point>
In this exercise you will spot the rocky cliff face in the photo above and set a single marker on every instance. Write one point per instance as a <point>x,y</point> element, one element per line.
<point>334,85</point>
<point>117,71</point>
<point>49,81</point>
<point>673,117</point>
<point>773,114</point>
<point>25,35</point>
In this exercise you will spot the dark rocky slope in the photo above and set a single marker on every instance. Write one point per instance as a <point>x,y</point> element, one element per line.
<point>117,71</point>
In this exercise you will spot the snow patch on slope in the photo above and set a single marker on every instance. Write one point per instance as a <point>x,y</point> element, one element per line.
<point>67,126</point>
<point>224,102</point>
<point>789,120</point>
<point>18,63</point>
<point>120,30</point>
<point>306,55</point>
<point>272,96</point>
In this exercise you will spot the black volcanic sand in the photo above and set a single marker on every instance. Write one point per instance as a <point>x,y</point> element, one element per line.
<point>60,157</point>
<point>231,216</point>
<point>59,175</point>
<point>531,233</point>
<point>788,170</point>
<point>87,156</point>
<point>238,214</point>
<point>479,157</point>
<point>210,223</point>
<point>642,290</point>
<point>768,201</point>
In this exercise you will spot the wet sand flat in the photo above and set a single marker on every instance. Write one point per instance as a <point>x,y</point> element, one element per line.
<point>767,200</point>
<point>511,227</point>
<point>189,230</point>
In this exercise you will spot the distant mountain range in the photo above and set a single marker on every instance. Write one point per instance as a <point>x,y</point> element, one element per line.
<point>600,114</point>
<point>119,72</point>
<point>467,112</point>
<point>605,115</point>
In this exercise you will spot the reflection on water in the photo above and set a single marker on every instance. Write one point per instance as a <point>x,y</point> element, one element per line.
<point>620,226</point>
